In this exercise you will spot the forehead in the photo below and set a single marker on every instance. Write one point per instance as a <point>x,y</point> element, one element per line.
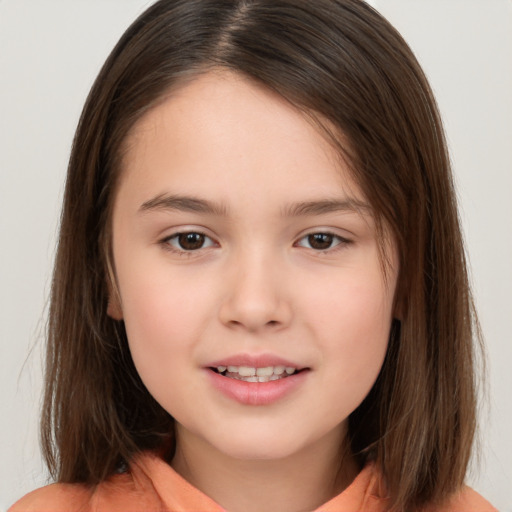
<point>221,127</point>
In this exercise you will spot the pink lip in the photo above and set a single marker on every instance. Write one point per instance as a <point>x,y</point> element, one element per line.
<point>255,393</point>
<point>254,361</point>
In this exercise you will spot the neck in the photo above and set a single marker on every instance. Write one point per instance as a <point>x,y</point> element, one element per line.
<point>298,483</point>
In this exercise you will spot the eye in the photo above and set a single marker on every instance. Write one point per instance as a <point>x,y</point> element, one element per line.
<point>189,241</point>
<point>321,241</point>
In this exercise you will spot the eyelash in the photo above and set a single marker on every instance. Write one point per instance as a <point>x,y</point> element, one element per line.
<point>167,242</point>
<point>341,242</point>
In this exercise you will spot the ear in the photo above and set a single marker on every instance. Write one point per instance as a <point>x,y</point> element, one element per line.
<point>399,304</point>
<point>398,311</point>
<point>114,309</point>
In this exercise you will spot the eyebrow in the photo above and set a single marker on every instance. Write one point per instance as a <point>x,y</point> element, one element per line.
<point>184,204</point>
<point>326,206</point>
<point>300,209</point>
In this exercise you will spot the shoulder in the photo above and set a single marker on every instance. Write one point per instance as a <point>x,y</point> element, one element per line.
<point>466,500</point>
<point>117,494</point>
<point>55,498</point>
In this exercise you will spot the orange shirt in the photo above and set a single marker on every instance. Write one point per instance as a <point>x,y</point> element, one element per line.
<point>152,485</point>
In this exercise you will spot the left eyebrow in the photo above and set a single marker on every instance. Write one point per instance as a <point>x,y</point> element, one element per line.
<point>326,206</point>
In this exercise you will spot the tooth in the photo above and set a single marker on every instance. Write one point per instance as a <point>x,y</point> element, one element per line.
<point>274,377</point>
<point>265,372</point>
<point>221,369</point>
<point>289,370</point>
<point>246,371</point>
<point>278,370</point>
<point>251,379</point>
<point>264,378</point>
<point>233,369</point>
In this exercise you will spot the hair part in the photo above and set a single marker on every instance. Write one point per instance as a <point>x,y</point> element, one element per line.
<point>342,63</point>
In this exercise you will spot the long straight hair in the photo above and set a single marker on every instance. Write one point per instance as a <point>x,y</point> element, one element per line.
<point>345,65</point>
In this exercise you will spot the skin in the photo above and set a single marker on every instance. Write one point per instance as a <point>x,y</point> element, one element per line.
<point>257,285</point>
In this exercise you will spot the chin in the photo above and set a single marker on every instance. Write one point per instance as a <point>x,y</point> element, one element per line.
<point>262,444</point>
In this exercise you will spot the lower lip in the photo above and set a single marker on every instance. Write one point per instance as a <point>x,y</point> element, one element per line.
<point>256,393</point>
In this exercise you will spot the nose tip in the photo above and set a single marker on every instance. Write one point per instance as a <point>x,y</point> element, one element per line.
<point>253,320</point>
<point>255,301</point>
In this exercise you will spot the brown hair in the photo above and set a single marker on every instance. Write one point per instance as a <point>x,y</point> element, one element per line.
<point>338,60</point>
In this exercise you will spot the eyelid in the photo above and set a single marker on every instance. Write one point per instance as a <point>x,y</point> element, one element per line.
<point>342,241</point>
<point>339,241</point>
<point>165,242</point>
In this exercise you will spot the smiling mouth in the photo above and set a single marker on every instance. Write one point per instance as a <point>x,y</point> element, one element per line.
<point>253,374</point>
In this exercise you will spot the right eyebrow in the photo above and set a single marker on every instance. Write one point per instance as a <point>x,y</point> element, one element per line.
<point>184,204</point>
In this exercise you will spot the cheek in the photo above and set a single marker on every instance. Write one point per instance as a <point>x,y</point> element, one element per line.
<point>163,316</point>
<point>352,319</point>
<point>356,305</point>
<point>162,329</point>
<point>158,298</point>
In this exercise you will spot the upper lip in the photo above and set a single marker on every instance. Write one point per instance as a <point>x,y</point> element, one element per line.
<point>255,361</point>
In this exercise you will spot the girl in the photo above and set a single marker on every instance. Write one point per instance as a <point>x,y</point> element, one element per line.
<point>260,298</point>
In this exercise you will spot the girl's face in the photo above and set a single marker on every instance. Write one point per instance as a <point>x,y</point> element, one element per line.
<point>242,246</point>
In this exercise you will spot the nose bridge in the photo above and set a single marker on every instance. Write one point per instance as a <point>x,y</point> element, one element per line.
<point>255,294</point>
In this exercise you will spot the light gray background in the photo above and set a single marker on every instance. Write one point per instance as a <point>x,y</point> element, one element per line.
<point>50,52</point>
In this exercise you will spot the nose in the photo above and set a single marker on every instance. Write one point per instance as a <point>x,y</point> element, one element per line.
<point>255,296</point>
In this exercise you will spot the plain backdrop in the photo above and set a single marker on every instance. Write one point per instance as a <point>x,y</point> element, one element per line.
<point>50,53</point>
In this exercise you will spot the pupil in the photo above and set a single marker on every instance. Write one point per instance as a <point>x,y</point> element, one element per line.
<point>191,241</point>
<point>320,241</point>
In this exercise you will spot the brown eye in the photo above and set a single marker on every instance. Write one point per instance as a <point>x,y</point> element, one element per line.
<point>191,241</point>
<point>188,241</point>
<point>323,241</point>
<point>320,241</point>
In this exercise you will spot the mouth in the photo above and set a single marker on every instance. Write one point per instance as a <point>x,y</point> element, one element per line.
<point>257,379</point>
<point>256,374</point>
